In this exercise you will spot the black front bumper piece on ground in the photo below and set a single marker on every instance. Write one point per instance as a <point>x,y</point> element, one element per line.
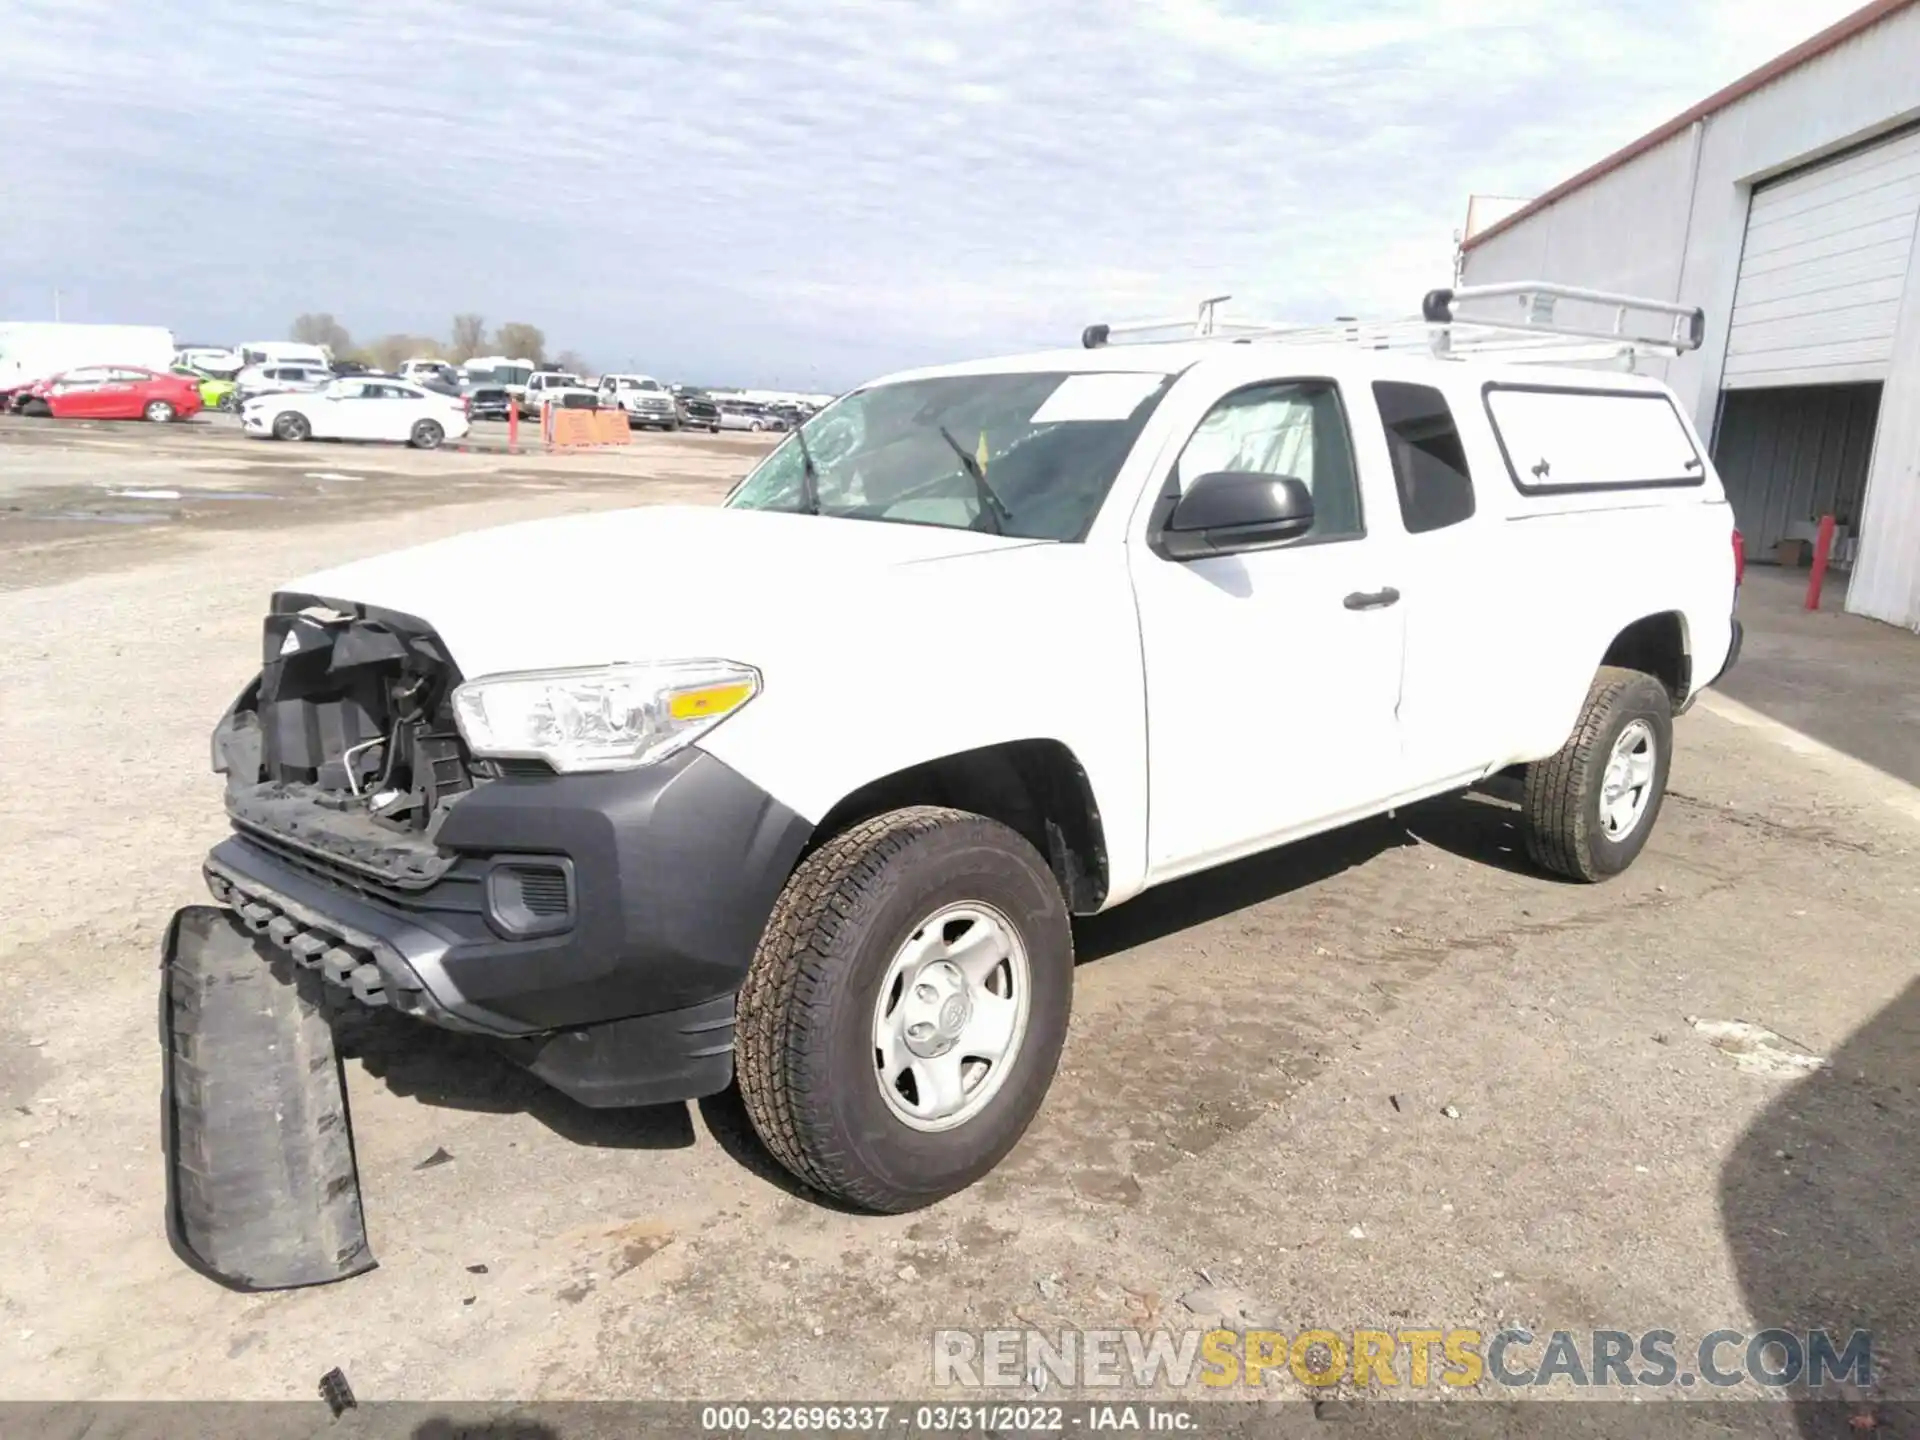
<point>594,926</point>
<point>263,1192</point>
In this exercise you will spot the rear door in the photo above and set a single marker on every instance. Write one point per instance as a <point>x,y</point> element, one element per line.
<point>1457,671</point>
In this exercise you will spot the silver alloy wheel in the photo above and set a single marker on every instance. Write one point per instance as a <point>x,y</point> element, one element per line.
<point>950,1016</point>
<point>159,412</point>
<point>1628,785</point>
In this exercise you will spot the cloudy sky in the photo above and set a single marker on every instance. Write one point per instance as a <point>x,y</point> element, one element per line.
<point>801,192</point>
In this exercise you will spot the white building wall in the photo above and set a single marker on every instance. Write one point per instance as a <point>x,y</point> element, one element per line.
<point>1886,577</point>
<point>1670,209</point>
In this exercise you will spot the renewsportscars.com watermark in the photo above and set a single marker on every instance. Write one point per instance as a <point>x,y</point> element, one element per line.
<point>1404,1357</point>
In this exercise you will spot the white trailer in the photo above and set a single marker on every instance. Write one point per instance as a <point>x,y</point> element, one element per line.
<point>33,350</point>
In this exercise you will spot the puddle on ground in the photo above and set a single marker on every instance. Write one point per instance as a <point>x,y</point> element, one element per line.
<point>231,495</point>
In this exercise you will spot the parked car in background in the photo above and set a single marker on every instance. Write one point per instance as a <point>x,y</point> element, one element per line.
<point>698,410</point>
<point>490,402</point>
<point>285,352</point>
<point>114,392</point>
<point>557,387</point>
<point>648,403</point>
<point>508,373</point>
<point>747,415</point>
<point>220,361</point>
<point>361,407</point>
<point>215,393</point>
<point>426,369</point>
<point>258,380</point>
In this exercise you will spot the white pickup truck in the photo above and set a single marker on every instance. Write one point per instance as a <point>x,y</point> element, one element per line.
<point>804,790</point>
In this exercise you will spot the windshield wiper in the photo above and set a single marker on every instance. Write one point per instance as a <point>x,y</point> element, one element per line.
<point>990,503</point>
<point>809,475</point>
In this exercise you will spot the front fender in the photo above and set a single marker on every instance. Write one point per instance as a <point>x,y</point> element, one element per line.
<point>1041,643</point>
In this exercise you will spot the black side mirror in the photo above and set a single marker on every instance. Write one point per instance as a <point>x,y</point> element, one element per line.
<point>1229,512</point>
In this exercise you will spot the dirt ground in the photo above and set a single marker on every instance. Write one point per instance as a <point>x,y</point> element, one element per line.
<point>1386,1078</point>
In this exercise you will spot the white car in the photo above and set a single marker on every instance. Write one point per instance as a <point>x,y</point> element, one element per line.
<point>601,788</point>
<point>646,401</point>
<point>280,379</point>
<point>359,408</point>
<point>425,369</point>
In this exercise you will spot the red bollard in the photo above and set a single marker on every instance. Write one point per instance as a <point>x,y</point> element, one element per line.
<point>1822,548</point>
<point>513,423</point>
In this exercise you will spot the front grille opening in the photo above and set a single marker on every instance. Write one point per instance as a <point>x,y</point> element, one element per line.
<point>530,897</point>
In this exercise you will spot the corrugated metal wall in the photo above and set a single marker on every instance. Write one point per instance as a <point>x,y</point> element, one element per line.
<point>1822,269</point>
<point>1790,456</point>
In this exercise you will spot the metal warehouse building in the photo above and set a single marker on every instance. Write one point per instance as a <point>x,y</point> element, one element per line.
<point>1785,207</point>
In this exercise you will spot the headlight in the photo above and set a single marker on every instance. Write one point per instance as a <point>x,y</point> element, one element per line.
<point>612,717</point>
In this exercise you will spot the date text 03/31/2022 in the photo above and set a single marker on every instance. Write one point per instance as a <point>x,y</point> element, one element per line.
<point>937,1419</point>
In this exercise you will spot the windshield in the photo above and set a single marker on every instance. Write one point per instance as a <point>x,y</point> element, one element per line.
<point>1046,445</point>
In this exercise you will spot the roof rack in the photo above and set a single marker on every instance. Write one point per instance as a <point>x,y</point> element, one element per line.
<point>1535,334</point>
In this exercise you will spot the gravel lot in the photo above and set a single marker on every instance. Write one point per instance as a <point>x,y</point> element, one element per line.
<point>1385,1078</point>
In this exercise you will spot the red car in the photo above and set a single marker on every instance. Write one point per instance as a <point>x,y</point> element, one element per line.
<point>114,392</point>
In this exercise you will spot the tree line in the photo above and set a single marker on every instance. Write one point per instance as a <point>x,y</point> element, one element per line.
<point>515,339</point>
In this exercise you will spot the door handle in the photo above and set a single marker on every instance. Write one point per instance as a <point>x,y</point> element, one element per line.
<point>1376,600</point>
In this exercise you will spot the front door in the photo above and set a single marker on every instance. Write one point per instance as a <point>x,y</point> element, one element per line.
<point>1272,676</point>
<point>81,394</point>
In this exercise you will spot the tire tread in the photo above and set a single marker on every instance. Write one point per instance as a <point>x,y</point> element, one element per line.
<point>791,974</point>
<point>1555,809</point>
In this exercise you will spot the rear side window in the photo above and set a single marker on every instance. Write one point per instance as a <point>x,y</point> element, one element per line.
<point>1429,462</point>
<point>1560,439</point>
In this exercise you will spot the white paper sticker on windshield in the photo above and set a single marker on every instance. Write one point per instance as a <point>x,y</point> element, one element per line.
<point>1110,396</point>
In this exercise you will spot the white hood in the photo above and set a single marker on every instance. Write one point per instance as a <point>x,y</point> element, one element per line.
<point>659,582</point>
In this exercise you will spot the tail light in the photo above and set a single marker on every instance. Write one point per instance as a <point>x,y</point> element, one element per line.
<point>1739,557</point>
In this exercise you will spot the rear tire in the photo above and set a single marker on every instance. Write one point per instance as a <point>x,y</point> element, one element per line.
<point>291,425</point>
<point>159,412</point>
<point>427,435</point>
<point>825,1099</point>
<point>1589,809</point>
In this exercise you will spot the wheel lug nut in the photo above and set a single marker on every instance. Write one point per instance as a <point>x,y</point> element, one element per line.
<point>925,992</point>
<point>919,1030</point>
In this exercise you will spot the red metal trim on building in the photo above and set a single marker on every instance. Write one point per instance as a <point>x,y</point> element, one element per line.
<point>1830,38</point>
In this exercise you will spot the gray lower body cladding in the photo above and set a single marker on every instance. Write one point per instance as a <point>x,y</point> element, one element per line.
<point>613,978</point>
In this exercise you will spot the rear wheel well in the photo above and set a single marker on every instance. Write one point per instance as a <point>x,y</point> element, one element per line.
<point>1656,645</point>
<point>1035,787</point>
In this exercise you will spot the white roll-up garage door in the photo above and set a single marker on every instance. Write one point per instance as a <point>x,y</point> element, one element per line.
<point>1822,268</point>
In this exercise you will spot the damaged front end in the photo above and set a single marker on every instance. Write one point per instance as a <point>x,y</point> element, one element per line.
<point>341,759</point>
<point>342,764</point>
<point>345,744</point>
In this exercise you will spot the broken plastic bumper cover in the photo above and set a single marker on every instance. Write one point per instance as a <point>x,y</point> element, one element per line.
<point>262,1189</point>
<point>665,876</point>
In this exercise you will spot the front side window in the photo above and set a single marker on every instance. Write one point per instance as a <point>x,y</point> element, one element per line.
<point>1293,427</point>
<point>1429,462</point>
<point>1022,454</point>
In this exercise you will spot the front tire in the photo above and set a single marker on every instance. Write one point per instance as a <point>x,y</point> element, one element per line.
<point>1589,809</point>
<point>291,425</point>
<point>904,1013</point>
